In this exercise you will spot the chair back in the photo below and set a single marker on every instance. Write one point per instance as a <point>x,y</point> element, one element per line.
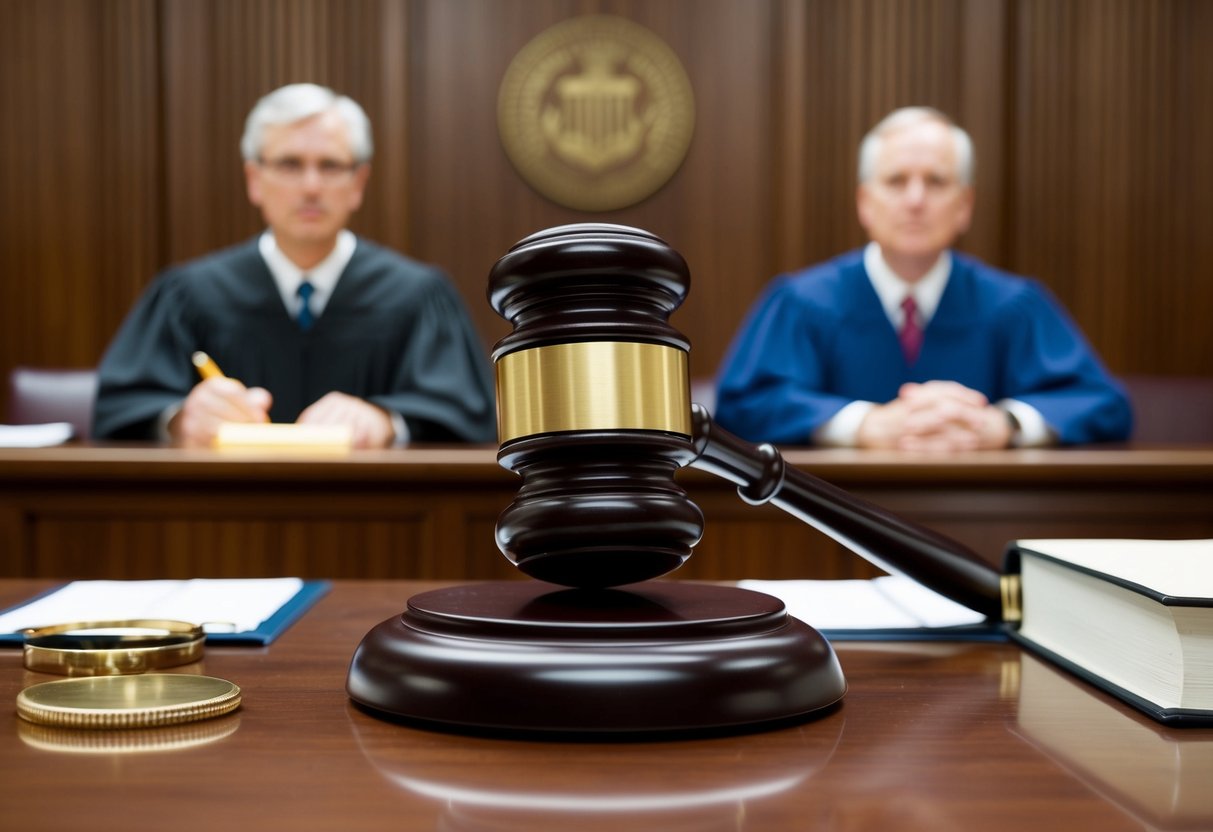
<point>1171,408</point>
<point>703,392</point>
<point>38,395</point>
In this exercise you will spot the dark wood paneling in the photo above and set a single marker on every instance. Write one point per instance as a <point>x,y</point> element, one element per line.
<point>80,174</point>
<point>1110,198</point>
<point>121,512</point>
<point>120,119</point>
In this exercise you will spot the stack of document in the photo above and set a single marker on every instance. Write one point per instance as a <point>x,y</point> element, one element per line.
<point>35,436</point>
<point>234,610</point>
<point>885,608</point>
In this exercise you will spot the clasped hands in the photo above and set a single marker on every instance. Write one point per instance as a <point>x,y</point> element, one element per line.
<point>217,400</point>
<point>936,416</point>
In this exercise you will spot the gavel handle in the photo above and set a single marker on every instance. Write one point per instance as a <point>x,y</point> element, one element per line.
<point>892,543</point>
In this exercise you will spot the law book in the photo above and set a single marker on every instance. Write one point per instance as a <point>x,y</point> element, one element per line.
<point>1131,617</point>
<point>1160,776</point>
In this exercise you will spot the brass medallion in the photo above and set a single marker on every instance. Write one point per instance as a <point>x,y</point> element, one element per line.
<point>596,113</point>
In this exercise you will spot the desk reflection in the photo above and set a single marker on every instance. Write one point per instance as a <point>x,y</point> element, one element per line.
<point>1162,777</point>
<point>693,784</point>
<point>127,741</point>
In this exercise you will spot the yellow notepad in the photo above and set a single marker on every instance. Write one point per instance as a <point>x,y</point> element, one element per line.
<point>239,436</point>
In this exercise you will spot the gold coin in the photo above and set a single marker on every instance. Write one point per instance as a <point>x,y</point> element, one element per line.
<point>149,700</point>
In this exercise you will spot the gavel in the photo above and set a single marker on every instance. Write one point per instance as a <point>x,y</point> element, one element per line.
<point>595,415</point>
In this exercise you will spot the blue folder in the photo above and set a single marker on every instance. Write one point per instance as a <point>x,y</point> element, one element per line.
<point>269,629</point>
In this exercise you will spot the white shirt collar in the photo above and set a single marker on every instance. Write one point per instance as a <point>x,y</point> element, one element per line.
<point>324,275</point>
<point>892,290</point>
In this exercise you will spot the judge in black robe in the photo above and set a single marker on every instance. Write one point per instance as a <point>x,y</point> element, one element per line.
<point>394,333</point>
<point>385,348</point>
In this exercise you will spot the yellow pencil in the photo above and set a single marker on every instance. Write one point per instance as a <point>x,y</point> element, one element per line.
<point>207,368</point>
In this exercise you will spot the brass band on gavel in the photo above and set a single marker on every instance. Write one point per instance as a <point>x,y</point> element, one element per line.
<point>595,385</point>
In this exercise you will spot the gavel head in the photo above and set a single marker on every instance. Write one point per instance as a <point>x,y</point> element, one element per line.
<point>593,405</point>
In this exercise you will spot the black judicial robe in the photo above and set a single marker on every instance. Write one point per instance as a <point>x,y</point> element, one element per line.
<point>394,332</point>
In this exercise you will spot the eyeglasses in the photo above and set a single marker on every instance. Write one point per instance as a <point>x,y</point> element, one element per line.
<point>293,169</point>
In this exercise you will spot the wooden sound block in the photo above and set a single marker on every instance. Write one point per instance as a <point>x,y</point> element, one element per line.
<point>525,656</point>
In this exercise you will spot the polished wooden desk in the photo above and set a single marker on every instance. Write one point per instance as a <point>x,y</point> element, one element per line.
<point>929,737</point>
<point>429,512</point>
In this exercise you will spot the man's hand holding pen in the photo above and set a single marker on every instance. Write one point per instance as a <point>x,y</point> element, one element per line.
<point>218,399</point>
<point>213,401</point>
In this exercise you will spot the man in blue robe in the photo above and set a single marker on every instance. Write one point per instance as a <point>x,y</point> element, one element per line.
<point>908,344</point>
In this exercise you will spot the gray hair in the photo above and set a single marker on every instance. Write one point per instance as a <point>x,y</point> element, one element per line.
<point>295,102</point>
<point>869,148</point>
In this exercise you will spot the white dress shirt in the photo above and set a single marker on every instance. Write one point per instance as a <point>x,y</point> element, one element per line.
<point>324,275</point>
<point>842,430</point>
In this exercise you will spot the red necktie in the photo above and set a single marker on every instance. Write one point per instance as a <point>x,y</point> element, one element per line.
<point>911,332</point>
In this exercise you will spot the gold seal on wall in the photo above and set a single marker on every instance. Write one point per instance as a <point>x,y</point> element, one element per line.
<point>596,113</point>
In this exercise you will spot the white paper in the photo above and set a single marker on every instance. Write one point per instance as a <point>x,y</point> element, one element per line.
<point>35,436</point>
<point>236,605</point>
<point>884,603</point>
<point>1182,568</point>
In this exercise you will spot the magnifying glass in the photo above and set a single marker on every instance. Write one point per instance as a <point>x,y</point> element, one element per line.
<point>110,648</point>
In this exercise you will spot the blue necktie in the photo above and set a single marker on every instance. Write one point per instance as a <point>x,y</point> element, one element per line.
<point>306,319</point>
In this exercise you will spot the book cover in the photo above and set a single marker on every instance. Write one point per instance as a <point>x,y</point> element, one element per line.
<point>1131,617</point>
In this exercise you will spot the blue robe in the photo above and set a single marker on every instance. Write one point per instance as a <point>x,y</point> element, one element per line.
<point>819,339</point>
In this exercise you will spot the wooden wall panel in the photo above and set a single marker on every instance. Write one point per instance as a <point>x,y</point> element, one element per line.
<point>1110,198</point>
<point>119,124</point>
<point>80,185</point>
<point>121,512</point>
<point>212,547</point>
